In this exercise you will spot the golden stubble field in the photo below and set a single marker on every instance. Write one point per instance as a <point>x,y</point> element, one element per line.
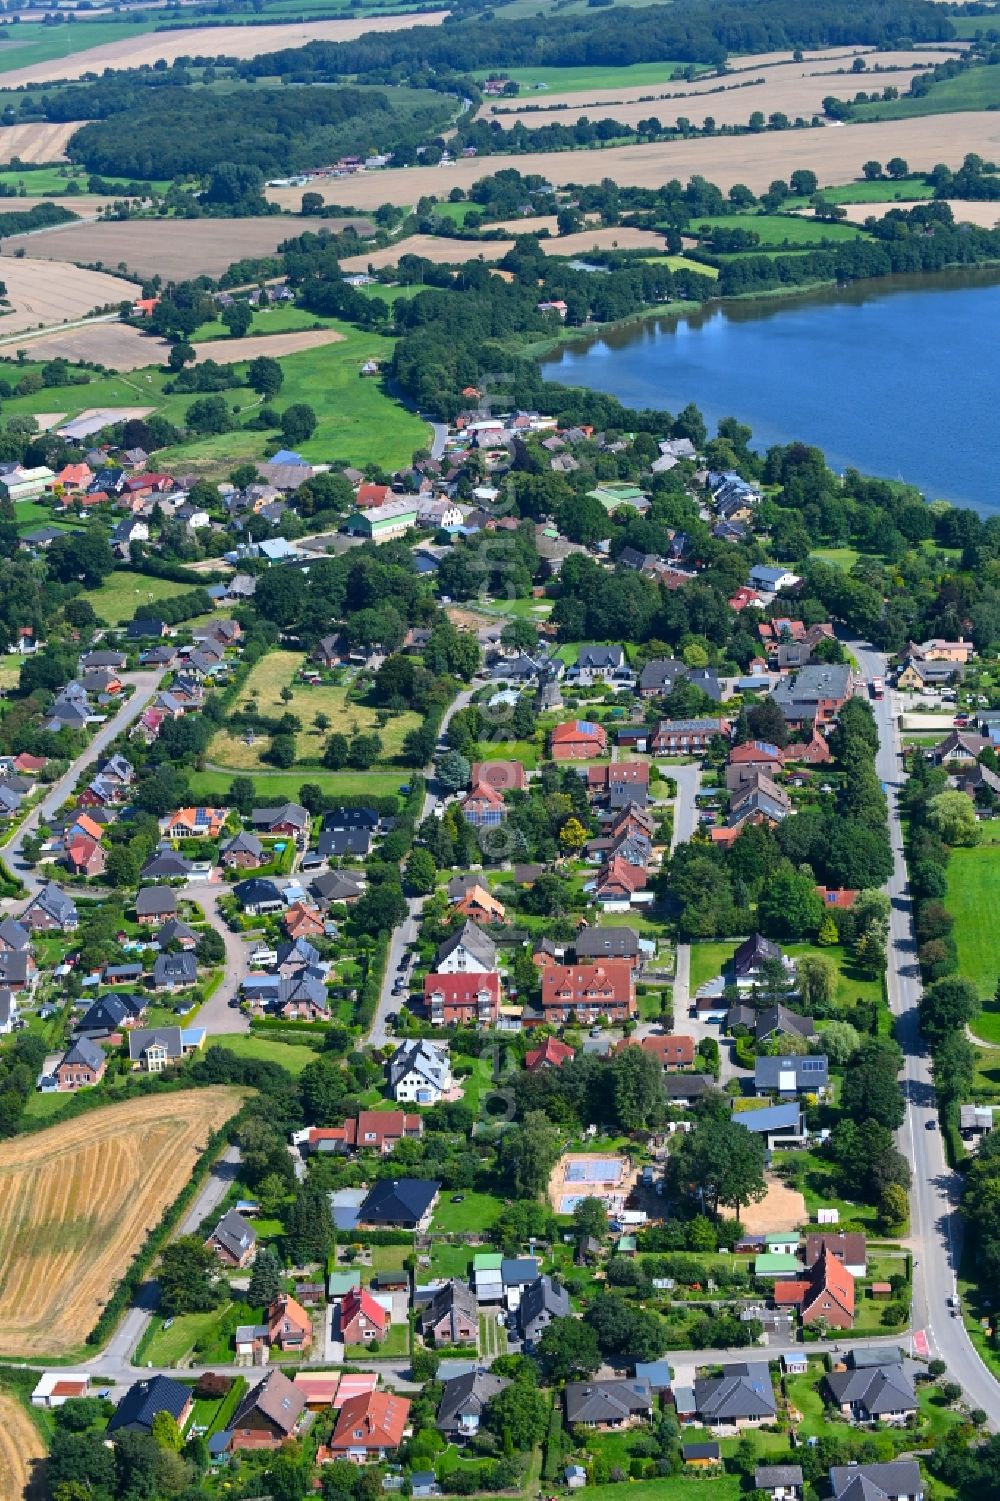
<point>791,88</point>
<point>453,252</point>
<point>38,142</point>
<point>76,1202</point>
<point>985,215</point>
<point>20,1449</point>
<point>210,41</point>
<point>40,293</point>
<point>113,344</point>
<point>834,153</point>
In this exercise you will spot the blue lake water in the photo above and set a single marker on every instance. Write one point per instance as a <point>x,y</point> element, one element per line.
<point>898,378</point>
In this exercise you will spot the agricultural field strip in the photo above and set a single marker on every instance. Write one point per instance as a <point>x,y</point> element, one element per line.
<point>231,41</point>
<point>39,295</point>
<point>20,1446</point>
<point>454,252</point>
<point>790,87</point>
<point>71,1218</point>
<point>834,153</point>
<point>36,142</point>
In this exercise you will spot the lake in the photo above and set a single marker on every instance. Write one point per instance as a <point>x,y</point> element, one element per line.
<point>898,378</point>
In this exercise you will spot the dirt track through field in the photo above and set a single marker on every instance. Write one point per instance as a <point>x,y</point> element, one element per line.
<point>791,88</point>
<point>210,41</point>
<point>834,153</point>
<point>40,293</point>
<point>20,1450</point>
<point>76,1203</point>
<point>453,252</point>
<point>40,142</point>
<point>112,344</point>
<point>224,351</point>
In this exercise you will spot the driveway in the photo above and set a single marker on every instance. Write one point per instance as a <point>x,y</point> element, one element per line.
<point>217,1016</point>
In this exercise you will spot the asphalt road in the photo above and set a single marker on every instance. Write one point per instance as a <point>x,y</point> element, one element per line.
<point>936,1229</point>
<point>406,933</point>
<point>145,684</point>
<point>217,1016</point>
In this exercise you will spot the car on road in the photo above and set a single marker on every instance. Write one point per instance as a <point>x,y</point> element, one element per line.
<point>595,1031</point>
<point>931,1125</point>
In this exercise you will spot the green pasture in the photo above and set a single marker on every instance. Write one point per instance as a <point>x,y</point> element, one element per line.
<point>537,82</point>
<point>778,230</point>
<point>973,899</point>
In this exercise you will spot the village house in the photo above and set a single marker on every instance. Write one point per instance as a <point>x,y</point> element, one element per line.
<point>578,740</point>
<point>420,1072</point>
<point>899,1480</point>
<point>81,1067</point>
<point>469,951</point>
<point>741,1397</point>
<point>671,1051</point>
<point>369,1427</point>
<point>551,1054</point>
<point>824,1295</point>
<point>152,1049</point>
<point>481,906</point>
<point>233,1240</point>
<point>873,1394</point>
<point>464,1399</point>
<point>194,823</point>
<point>361,1319</point>
<point>399,1204</point>
<point>370,1131</point>
<point>541,1301</point>
<point>483,807</point>
<point>268,1415</point>
<point>686,737</point>
<point>145,1400</point>
<point>452,1316</point>
<point>462,999</point>
<point>607,1405</point>
<point>583,992</point>
<point>849,1247</point>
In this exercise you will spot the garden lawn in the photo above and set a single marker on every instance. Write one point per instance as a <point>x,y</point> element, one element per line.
<point>986,1081</point>
<point>884,190</point>
<point>537,82</point>
<point>708,959</point>
<point>282,786</point>
<point>816,1180</point>
<point>476,1212</point>
<point>278,672</point>
<point>292,1056</point>
<point>669,1488</point>
<point>122,593</point>
<point>777,230</point>
<point>837,557</point>
<point>973,899</point>
<point>446,1261</point>
<point>168,1346</point>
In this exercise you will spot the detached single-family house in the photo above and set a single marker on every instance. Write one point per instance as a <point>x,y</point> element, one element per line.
<point>790,1077</point>
<point>369,1427</point>
<point>464,1399</point>
<point>578,740</point>
<point>608,1404</point>
<point>825,1295</point>
<point>741,1397</point>
<point>174,971</point>
<point>469,951</point>
<point>144,1400</point>
<point>399,1203</point>
<point>362,1319</point>
<point>419,1072</point>
<point>873,1394</point>
<point>153,904</point>
<point>269,1414</point>
<point>233,1240</point>
<point>899,1480</point>
<point>542,1301</point>
<point>849,1247</point>
<point>81,1067</point>
<point>452,1316</point>
<point>780,1482</point>
<point>51,911</point>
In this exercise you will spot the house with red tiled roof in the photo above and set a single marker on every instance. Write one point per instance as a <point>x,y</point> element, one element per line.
<point>754,756</point>
<point>302,921</point>
<point>825,1295</point>
<point>362,1319</point>
<point>72,477</point>
<point>617,882</point>
<point>289,1327</point>
<point>578,740</point>
<point>837,898</point>
<point>25,764</point>
<point>479,904</point>
<point>502,776</point>
<point>372,495</point>
<point>194,823</point>
<point>814,752</point>
<point>551,1054</point>
<point>85,856</point>
<point>483,807</point>
<point>369,1131</point>
<point>462,999</point>
<point>369,1427</point>
<point>670,1051</point>
<point>583,992</point>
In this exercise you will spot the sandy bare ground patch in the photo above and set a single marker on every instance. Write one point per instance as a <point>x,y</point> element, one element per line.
<point>789,88</point>
<point>225,351</point>
<point>39,294</point>
<point>176,248</point>
<point>81,204</point>
<point>781,1208</point>
<point>834,153</point>
<point>210,41</point>
<point>46,420</point>
<point>114,414</point>
<point>531,226</point>
<point>112,344</point>
<point>40,142</point>
<point>76,1202</point>
<point>986,215</point>
<point>444,252</point>
<point>20,1450</point>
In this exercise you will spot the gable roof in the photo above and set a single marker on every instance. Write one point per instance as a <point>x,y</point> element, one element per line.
<point>276,1398</point>
<point>86,1053</point>
<point>901,1477</point>
<point>144,1399</point>
<point>398,1201</point>
<point>358,1300</point>
<point>234,1234</point>
<point>375,1420</point>
<point>474,940</point>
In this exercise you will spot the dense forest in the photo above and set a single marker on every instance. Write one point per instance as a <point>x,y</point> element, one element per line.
<point>177,130</point>
<point>689,31</point>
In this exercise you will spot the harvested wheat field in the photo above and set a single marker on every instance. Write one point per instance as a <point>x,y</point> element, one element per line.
<point>444,252</point>
<point>38,293</point>
<point>20,1450</point>
<point>225,351</point>
<point>834,153</point>
<point>175,248</point>
<point>792,88</point>
<point>40,142</point>
<point>986,215</point>
<point>210,41</point>
<point>781,1208</point>
<point>76,1202</point>
<point>112,344</point>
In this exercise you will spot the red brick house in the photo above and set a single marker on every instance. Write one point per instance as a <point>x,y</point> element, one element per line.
<point>673,1051</point>
<point>618,774</point>
<point>372,1131</point>
<point>462,999</point>
<point>301,921</point>
<point>361,1318</point>
<point>754,756</point>
<point>269,1414</point>
<point>583,992</point>
<point>825,1295</point>
<point>82,1067</point>
<point>369,1427</point>
<point>288,1325</point>
<point>686,737</point>
<point>481,906</point>
<point>578,740</point>
<point>483,807</point>
<point>85,856</point>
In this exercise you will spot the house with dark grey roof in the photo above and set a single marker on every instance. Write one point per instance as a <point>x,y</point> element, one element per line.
<point>741,1397</point>
<point>751,956</point>
<point>144,1400</point>
<point>174,971</point>
<point>660,676</point>
<point>778,1021</point>
<point>51,911</point>
<point>542,1301</point>
<point>815,695</point>
<point>469,951</point>
<point>400,1203</point>
<point>464,1400</point>
<point>781,1482</point>
<point>452,1316</point>
<point>608,1404</point>
<point>873,1394</point>
<point>166,866</point>
<point>344,844</point>
<point>233,1240</point>
<point>286,818</point>
<point>258,896</point>
<point>606,943</point>
<point>336,886</point>
<point>153,903</point>
<point>900,1480</point>
<point>790,1077</point>
<point>110,1013</point>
